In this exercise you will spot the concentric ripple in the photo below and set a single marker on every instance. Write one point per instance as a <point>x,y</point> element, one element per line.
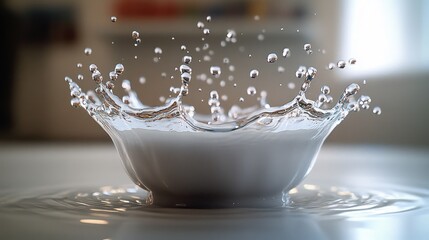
<point>307,199</point>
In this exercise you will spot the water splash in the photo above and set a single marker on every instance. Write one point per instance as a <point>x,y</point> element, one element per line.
<point>136,128</point>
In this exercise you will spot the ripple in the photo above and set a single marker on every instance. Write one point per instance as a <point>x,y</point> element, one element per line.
<point>306,199</point>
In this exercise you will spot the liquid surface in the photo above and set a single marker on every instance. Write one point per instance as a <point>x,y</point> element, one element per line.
<point>130,201</point>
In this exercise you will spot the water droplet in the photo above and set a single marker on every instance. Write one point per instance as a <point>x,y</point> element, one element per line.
<point>254,73</point>
<point>352,61</point>
<point>187,59</point>
<point>75,102</point>
<point>215,71</point>
<point>79,65</point>
<point>376,110</point>
<point>183,47</point>
<point>307,48</point>
<point>280,69</point>
<point>113,76</point>
<point>331,66</point>
<point>241,99</point>
<point>301,72</point>
<point>208,18</point>
<point>214,95</point>
<point>364,82</point>
<point>291,85</point>
<point>272,57</point>
<point>206,31</point>
<point>251,91</point>
<point>96,76</point>
<point>261,37</point>
<point>364,100</point>
<point>158,50</point>
<point>224,97</point>
<point>206,46</point>
<point>80,77</point>
<point>92,68</point>
<point>322,98</point>
<point>110,85</point>
<point>341,64</point>
<point>200,25</point>
<point>135,34</point>
<point>142,80</point>
<point>75,92</point>
<point>311,73</point>
<point>226,60</point>
<point>325,89</point>
<point>231,34</point>
<point>186,77</point>
<point>87,51</point>
<point>119,68</point>
<point>222,83</point>
<point>113,19</point>
<point>126,85</point>
<point>352,89</point>
<point>185,69</point>
<point>162,99</point>
<point>286,52</point>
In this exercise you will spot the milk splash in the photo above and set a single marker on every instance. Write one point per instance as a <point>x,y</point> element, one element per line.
<point>157,143</point>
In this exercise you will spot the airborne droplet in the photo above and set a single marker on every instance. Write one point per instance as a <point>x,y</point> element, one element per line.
<point>215,71</point>
<point>254,73</point>
<point>286,52</point>
<point>307,48</point>
<point>119,68</point>
<point>135,34</point>
<point>341,64</point>
<point>251,90</point>
<point>87,51</point>
<point>272,57</point>
<point>187,59</point>
<point>158,50</point>
<point>376,110</point>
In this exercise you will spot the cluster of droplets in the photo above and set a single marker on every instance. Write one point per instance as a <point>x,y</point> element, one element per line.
<point>185,75</point>
<point>217,112</point>
<point>324,97</point>
<point>90,99</point>
<point>341,64</point>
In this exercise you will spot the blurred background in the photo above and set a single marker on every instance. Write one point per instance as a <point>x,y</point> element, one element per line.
<point>44,40</point>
